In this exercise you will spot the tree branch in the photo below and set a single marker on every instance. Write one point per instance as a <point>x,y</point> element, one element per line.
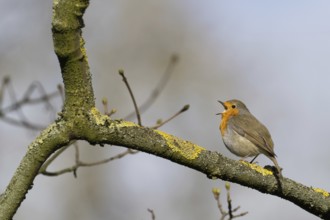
<point>69,47</point>
<point>183,109</point>
<point>137,112</point>
<point>231,211</point>
<point>79,120</point>
<point>158,88</point>
<point>78,162</point>
<point>51,139</point>
<point>79,99</point>
<point>17,104</point>
<point>212,164</point>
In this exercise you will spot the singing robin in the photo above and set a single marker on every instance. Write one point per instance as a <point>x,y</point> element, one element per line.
<point>244,135</point>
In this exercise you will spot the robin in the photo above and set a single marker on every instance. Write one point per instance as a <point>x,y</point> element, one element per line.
<point>244,135</point>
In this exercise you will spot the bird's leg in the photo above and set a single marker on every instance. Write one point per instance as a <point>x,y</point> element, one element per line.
<point>278,168</point>
<point>245,159</point>
<point>254,158</point>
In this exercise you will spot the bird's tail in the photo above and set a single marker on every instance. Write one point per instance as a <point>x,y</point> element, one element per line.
<point>279,169</point>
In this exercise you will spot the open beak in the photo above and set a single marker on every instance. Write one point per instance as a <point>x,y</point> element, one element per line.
<point>223,104</point>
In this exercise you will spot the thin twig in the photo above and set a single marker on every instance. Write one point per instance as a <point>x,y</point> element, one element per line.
<point>76,147</point>
<point>45,98</point>
<point>79,163</point>
<point>12,96</point>
<point>216,193</point>
<point>27,100</point>
<point>229,201</point>
<point>52,158</point>
<point>240,215</point>
<point>112,111</point>
<point>153,216</point>
<point>61,91</point>
<point>105,106</point>
<point>185,108</point>
<point>106,109</point>
<point>18,104</point>
<point>5,81</point>
<point>121,72</point>
<point>118,156</point>
<point>159,86</point>
<point>21,123</point>
<point>231,211</point>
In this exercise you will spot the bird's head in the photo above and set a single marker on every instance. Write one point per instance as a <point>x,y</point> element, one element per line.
<point>233,107</point>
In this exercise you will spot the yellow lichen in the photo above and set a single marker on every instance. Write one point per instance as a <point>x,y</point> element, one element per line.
<point>82,48</point>
<point>126,124</point>
<point>322,191</point>
<point>258,168</point>
<point>185,148</point>
<point>101,119</point>
<point>98,117</point>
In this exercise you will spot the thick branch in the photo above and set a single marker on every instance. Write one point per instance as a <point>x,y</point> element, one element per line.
<point>79,99</point>
<point>52,138</point>
<point>71,53</point>
<point>212,164</point>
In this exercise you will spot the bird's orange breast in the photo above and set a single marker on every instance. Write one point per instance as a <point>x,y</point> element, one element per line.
<point>226,115</point>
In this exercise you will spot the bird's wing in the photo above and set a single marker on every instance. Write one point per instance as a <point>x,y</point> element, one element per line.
<point>249,127</point>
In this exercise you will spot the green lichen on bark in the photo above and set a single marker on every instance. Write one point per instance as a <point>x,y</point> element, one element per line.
<point>69,48</point>
<point>38,151</point>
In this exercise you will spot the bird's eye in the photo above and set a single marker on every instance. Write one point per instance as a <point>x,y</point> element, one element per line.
<point>233,106</point>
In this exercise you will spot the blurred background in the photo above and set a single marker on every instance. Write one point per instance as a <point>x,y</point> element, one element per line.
<point>274,56</point>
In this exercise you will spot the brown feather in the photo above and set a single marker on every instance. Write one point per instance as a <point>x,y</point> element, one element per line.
<point>253,130</point>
